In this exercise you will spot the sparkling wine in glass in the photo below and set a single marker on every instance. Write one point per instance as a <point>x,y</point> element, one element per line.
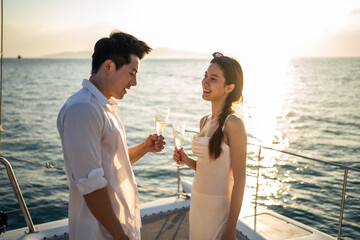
<point>161,119</point>
<point>179,134</point>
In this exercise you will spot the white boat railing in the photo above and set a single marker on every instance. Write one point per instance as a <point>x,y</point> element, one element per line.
<point>343,194</point>
<point>344,183</point>
<point>19,196</point>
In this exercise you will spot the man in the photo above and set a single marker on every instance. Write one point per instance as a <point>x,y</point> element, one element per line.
<point>104,202</point>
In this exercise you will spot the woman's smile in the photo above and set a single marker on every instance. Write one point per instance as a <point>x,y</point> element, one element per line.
<point>205,91</point>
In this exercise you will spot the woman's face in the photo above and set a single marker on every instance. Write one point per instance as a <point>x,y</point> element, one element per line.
<point>214,87</point>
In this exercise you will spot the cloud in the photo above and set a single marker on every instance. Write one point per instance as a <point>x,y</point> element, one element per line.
<point>355,12</point>
<point>340,44</point>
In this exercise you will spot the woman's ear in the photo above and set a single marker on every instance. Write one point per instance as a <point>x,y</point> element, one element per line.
<point>229,88</point>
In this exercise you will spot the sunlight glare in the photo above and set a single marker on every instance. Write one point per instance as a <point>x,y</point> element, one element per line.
<point>264,94</point>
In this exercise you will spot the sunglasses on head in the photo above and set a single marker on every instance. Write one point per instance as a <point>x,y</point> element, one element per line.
<point>222,57</point>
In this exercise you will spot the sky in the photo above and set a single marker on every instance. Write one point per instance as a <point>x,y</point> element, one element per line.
<point>256,29</point>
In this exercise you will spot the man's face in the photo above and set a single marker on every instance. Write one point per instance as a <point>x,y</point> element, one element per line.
<point>122,79</point>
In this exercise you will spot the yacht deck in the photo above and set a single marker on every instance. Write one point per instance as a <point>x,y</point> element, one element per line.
<point>164,225</point>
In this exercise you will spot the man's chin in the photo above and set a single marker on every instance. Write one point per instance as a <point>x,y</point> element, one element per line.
<point>121,95</point>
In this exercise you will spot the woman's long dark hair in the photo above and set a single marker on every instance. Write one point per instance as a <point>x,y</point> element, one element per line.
<point>233,75</point>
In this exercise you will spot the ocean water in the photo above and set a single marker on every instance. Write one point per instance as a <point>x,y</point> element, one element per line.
<point>309,107</point>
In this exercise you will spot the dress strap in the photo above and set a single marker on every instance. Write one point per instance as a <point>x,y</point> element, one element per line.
<point>223,127</point>
<point>205,120</point>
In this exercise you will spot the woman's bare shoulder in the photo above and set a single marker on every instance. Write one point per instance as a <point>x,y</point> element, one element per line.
<point>235,121</point>
<point>235,124</point>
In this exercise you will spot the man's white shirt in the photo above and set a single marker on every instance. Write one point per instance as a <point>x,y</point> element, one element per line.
<point>96,156</point>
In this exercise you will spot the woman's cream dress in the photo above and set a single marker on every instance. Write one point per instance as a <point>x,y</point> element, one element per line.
<point>211,190</point>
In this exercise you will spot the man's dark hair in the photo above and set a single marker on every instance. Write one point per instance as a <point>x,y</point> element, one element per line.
<point>117,47</point>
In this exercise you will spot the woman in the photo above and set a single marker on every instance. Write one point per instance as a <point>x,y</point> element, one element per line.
<point>220,148</point>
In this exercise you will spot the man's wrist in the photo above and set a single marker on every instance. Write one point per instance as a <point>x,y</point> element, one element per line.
<point>145,148</point>
<point>122,237</point>
<point>119,233</point>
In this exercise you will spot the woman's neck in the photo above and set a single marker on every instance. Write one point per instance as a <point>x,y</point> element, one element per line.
<point>216,108</point>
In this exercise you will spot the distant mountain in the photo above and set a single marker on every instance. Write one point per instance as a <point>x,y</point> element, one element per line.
<point>81,54</point>
<point>155,53</point>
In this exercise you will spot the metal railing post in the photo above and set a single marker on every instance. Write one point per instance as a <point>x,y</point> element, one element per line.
<point>19,195</point>
<point>342,203</point>
<point>178,181</point>
<point>257,187</point>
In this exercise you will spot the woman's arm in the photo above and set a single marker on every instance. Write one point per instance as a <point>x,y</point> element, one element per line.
<point>237,139</point>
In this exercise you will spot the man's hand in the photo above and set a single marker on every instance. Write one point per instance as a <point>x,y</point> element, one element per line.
<point>100,206</point>
<point>155,143</point>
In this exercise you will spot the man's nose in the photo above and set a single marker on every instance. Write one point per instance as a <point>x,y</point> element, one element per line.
<point>134,81</point>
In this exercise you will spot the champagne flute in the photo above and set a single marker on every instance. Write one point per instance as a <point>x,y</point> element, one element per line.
<point>179,134</point>
<point>161,118</point>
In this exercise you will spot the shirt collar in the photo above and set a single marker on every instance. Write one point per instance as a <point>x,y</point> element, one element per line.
<point>98,95</point>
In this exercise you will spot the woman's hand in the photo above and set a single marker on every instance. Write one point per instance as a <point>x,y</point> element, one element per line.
<point>155,143</point>
<point>180,156</point>
<point>177,156</point>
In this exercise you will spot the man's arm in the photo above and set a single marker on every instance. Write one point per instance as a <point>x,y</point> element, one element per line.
<point>153,143</point>
<point>100,206</point>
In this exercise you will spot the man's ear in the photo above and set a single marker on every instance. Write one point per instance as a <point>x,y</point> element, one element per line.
<point>229,88</point>
<point>108,65</point>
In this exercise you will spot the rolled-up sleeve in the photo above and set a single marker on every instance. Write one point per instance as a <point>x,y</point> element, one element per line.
<point>82,128</point>
<point>95,180</point>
